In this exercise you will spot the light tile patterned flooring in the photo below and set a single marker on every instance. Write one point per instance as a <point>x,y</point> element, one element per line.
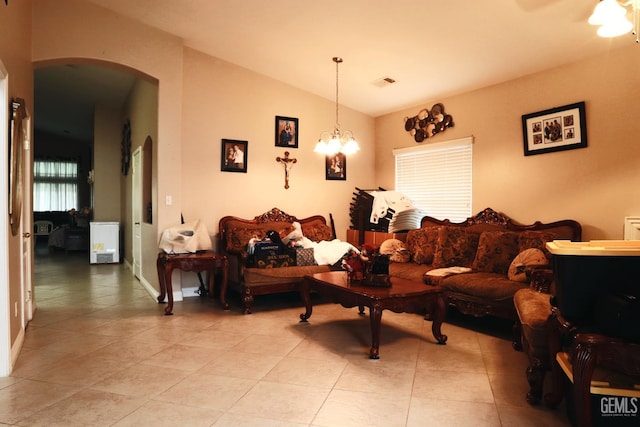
<point>100,352</point>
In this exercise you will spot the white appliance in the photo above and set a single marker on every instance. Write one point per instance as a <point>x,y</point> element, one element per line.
<point>104,242</point>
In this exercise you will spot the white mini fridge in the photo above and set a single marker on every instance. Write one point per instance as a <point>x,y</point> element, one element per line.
<point>104,242</point>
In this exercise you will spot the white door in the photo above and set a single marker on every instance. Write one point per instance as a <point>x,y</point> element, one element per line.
<point>136,208</point>
<point>27,230</point>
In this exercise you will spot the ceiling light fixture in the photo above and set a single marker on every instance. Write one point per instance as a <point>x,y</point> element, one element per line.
<point>611,16</point>
<point>337,141</point>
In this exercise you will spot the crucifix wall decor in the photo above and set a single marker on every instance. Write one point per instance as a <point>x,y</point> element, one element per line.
<point>287,163</point>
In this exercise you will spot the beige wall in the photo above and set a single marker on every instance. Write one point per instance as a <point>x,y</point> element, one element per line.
<point>106,163</point>
<point>224,101</point>
<point>77,30</point>
<point>142,111</point>
<point>597,185</point>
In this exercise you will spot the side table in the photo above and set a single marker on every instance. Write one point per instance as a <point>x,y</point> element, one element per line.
<point>196,262</point>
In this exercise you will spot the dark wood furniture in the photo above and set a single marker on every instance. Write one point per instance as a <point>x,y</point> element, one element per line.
<point>200,261</point>
<point>234,236</point>
<point>594,364</point>
<point>588,332</point>
<point>76,239</point>
<point>490,220</point>
<point>404,296</point>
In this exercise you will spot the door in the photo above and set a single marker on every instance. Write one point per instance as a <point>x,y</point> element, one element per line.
<point>27,229</point>
<point>136,208</point>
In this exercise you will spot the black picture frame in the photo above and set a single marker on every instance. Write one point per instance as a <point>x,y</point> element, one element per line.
<point>555,129</point>
<point>229,156</point>
<point>336,167</point>
<point>287,132</point>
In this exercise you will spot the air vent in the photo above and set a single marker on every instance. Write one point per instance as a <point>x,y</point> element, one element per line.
<point>384,82</point>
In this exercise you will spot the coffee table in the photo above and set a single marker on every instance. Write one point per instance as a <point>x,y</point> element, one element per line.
<point>404,296</point>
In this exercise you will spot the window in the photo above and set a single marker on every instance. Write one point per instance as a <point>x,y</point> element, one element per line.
<point>438,177</point>
<point>55,184</point>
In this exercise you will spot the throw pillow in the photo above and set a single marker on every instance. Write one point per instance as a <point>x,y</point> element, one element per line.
<point>496,250</point>
<point>537,239</point>
<point>526,259</point>
<point>396,250</point>
<point>455,247</point>
<point>317,232</point>
<point>421,244</point>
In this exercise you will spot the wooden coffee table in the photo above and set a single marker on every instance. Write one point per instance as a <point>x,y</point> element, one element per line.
<point>404,296</point>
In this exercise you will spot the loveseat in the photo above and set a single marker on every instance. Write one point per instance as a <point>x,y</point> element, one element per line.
<point>235,234</point>
<point>490,244</point>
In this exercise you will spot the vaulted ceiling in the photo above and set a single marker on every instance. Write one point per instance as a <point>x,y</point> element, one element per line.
<point>432,49</point>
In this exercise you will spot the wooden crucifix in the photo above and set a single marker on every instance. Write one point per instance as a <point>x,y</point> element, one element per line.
<point>287,163</point>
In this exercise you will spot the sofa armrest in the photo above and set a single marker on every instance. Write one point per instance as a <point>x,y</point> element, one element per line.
<point>540,279</point>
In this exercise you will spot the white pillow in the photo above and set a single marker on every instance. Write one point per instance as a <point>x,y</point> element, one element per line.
<point>525,259</point>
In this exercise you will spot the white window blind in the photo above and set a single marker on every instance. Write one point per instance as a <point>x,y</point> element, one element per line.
<point>438,177</point>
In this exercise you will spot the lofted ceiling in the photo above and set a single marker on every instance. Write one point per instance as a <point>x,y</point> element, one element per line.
<point>432,49</point>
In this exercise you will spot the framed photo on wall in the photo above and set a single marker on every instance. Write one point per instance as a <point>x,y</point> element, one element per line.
<point>336,167</point>
<point>556,129</point>
<point>286,132</point>
<point>233,157</point>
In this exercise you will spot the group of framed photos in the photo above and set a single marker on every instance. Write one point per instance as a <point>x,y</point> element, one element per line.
<point>555,129</point>
<point>234,153</point>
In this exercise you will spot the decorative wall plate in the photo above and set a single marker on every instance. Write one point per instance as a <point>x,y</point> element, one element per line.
<point>428,123</point>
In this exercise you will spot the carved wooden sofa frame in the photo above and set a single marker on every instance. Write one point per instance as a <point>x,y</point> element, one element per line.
<point>250,282</point>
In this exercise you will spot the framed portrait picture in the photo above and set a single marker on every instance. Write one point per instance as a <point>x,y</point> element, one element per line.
<point>556,129</point>
<point>233,157</point>
<point>336,167</point>
<point>286,132</point>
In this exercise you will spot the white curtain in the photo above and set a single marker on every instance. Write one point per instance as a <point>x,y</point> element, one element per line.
<point>55,185</point>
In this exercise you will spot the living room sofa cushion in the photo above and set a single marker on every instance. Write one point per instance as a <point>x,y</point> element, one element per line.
<point>421,244</point>
<point>496,250</point>
<point>487,286</point>
<point>456,247</point>
<point>527,259</point>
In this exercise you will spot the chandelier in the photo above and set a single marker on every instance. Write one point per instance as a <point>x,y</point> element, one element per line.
<point>337,141</point>
<point>611,16</point>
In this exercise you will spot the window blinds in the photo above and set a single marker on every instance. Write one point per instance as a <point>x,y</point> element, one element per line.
<point>438,177</point>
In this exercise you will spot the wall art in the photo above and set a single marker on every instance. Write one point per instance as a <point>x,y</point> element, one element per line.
<point>428,122</point>
<point>286,132</point>
<point>555,129</point>
<point>234,156</point>
<point>336,167</point>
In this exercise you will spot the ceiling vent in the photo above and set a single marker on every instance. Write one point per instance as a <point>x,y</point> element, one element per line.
<point>384,82</point>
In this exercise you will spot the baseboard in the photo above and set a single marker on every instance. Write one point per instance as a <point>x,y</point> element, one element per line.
<point>16,347</point>
<point>177,295</point>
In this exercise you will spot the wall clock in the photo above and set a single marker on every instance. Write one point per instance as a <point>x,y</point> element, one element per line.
<point>18,113</point>
<point>126,147</point>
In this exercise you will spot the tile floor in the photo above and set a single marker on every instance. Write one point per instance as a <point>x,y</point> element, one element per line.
<point>100,352</point>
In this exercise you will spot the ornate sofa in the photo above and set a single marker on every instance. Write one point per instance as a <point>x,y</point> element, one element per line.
<point>487,243</point>
<point>249,281</point>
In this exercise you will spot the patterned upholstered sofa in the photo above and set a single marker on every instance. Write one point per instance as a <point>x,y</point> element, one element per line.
<point>488,244</point>
<point>249,281</point>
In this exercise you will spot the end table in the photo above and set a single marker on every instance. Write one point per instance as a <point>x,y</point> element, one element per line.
<point>199,261</point>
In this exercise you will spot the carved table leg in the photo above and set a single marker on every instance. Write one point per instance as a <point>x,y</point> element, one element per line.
<point>164,277</point>
<point>223,285</point>
<point>160,265</point>
<point>306,297</point>
<point>375,317</point>
<point>438,310</point>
